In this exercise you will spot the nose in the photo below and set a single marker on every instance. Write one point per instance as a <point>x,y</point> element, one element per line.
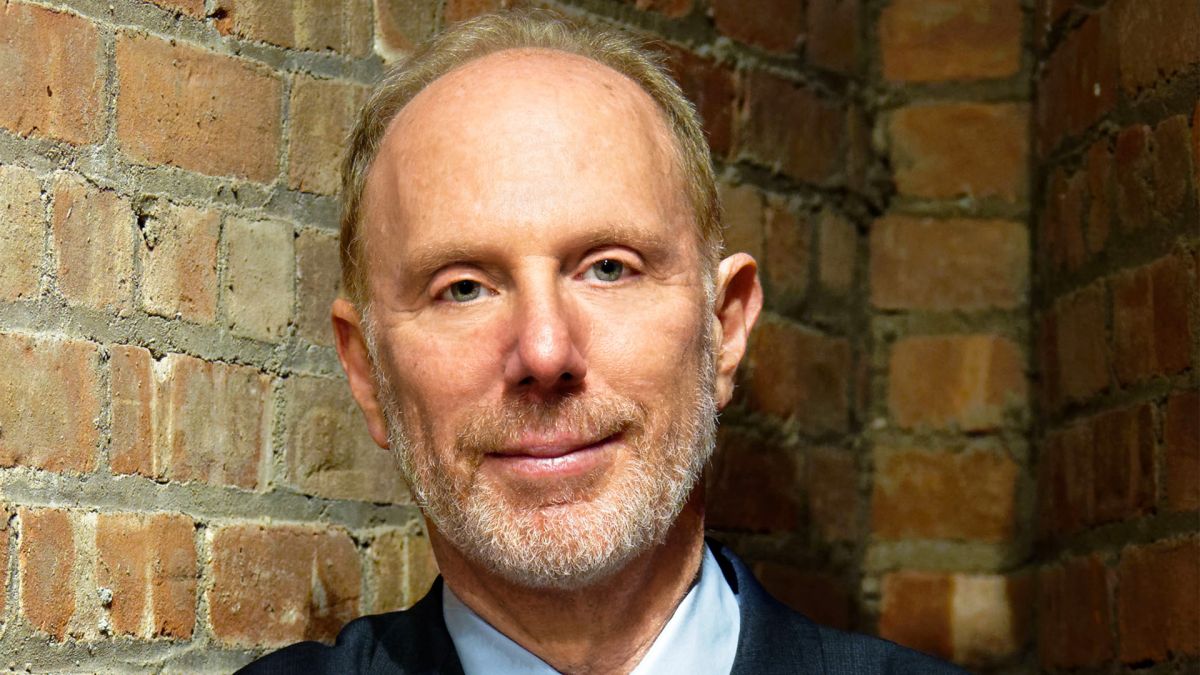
<point>546,359</point>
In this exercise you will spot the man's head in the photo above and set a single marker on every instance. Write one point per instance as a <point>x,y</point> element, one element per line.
<point>543,338</point>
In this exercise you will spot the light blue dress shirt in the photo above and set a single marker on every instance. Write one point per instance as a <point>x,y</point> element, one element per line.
<point>700,637</point>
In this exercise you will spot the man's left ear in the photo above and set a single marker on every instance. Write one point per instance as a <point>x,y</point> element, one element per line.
<point>739,300</point>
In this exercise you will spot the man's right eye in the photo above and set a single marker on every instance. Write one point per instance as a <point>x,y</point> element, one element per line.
<point>463,291</point>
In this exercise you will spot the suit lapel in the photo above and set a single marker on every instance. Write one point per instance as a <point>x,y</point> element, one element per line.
<point>416,642</point>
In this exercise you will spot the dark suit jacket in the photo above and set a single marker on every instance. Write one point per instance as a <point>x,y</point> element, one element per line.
<point>772,639</point>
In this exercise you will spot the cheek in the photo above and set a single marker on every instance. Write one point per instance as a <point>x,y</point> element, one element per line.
<point>648,355</point>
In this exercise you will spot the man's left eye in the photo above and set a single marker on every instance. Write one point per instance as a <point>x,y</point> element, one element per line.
<point>607,270</point>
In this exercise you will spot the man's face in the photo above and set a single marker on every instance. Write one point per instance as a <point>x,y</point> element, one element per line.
<point>540,326</point>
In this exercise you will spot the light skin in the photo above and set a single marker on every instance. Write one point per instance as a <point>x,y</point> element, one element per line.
<point>500,200</point>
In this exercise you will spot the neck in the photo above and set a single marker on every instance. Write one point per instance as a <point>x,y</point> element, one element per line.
<point>606,627</point>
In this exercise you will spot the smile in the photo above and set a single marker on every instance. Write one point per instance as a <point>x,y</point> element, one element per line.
<point>548,459</point>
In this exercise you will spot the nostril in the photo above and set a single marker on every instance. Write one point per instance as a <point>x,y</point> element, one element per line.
<point>567,377</point>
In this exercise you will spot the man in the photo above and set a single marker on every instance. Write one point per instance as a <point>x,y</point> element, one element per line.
<point>537,324</point>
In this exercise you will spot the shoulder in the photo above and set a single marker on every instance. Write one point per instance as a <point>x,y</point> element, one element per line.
<point>855,653</point>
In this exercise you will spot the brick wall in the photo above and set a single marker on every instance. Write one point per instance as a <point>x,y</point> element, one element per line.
<point>967,421</point>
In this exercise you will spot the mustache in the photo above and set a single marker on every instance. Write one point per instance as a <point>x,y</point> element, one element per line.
<point>490,429</point>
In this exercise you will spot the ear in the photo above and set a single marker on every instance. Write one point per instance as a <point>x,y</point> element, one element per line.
<point>739,300</point>
<point>352,351</point>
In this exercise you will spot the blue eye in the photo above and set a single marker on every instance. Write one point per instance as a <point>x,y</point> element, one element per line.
<point>464,291</point>
<point>608,269</point>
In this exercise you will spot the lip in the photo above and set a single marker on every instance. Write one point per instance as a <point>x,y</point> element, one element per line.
<point>553,458</point>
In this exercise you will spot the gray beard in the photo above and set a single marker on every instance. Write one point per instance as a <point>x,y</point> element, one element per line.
<point>573,543</point>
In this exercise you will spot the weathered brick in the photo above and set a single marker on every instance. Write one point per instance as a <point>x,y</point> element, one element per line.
<point>821,596</point>
<point>329,452</point>
<point>916,611</point>
<point>1049,383</point>
<point>935,150</point>
<point>964,264</point>
<point>54,74</point>
<point>833,41</point>
<point>178,253</point>
<point>167,112</point>
<point>1072,249</point>
<point>1123,463</point>
<point>1066,493</point>
<point>672,8</point>
<point>1100,195</point>
<point>832,488</point>
<point>989,618</point>
<point>774,25</point>
<point>1181,455</point>
<point>1079,84</point>
<point>312,25</point>
<point>710,87</point>
<point>1134,176</point>
<point>788,128</point>
<point>1196,146</point>
<point>754,485</point>
<point>939,40</point>
<point>837,256</point>
<point>1082,346</point>
<point>47,561</point>
<point>1157,609</point>
<point>259,277</point>
<point>968,495</point>
<point>277,585</point>
<point>401,25</point>
<point>964,381</point>
<point>1155,40</point>
<point>317,277</point>
<point>788,242</point>
<point>1172,166</point>
<point>1151,332</point>
<point>148,561</point>
<point>743,210</point>
<point>92,237</point>
<point>322,114</point>
<point>401,567</point>
<point>22,233</point>
<point>49,403</point>
<point>800,375</point>
<point>1073,614</point>
<point>202,421</point>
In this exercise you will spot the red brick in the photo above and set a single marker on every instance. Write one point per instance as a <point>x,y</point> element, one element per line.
<point>277,585</point>
<point>1123,463</point>
<point>92,236</point>
<point>743,214</point>
<point>49,403</point>
<point>1050,380</point>
<point>1079,84</point>
<point>259,277</point>
<point>788,239</point>
<point>820,596</point>
<point>1063,245</point>
<point>318,277</point>
<point>1066,494</point>
<point>916,611</point>
<point>329,452</point>
<point>833,501</point>
<point>672,8</point>
<point>801,376</point>
<point>178,253</point>
<point>203,422</point>
<point>402,568</point>
<point>968,495</point>
<point>837,256</point>
<point>322,114</point>
<point>54,74</point>
<point>47,563</point>
<point>1172,166</point>
<point>1082,348</point>
<point>990,618</point>
<point>710,87</point>
<point>1158,611</point>
<point>964,381</point>
<point>1074,626</point>
<point>168,113</point>
<point>1100,195</point>
<point>755,485</point>
<point>1133,176</point>
<point>787,127</point>
<point>23,233</point>
<point>774,25</point>
<point>1196,146</point>
<point>935,150</point>
<point>1181,437</point>
<point>952,264</point>
<point>320,25</point>
<point>148,561</point>
<point>939,40</point>
<point>1152,335</point>
<point>1156,40</point>
<point>833,41</point>
<point>400,25</point>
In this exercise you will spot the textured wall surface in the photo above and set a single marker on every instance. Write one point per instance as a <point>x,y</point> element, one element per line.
<point>967,422</point>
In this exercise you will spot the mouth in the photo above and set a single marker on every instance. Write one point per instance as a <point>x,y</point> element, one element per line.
<point>544,458</point>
